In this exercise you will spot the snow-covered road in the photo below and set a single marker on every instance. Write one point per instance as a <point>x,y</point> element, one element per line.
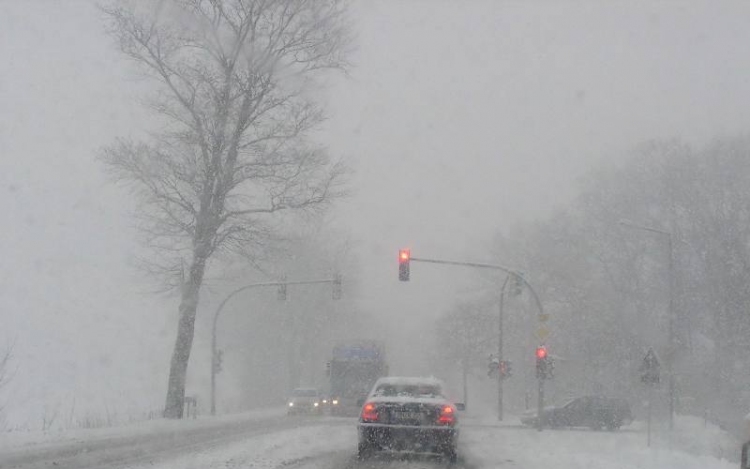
<point>329,443</point>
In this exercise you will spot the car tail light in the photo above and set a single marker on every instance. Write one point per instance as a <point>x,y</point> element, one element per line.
<point>369,412</point>
<point>447,415</point>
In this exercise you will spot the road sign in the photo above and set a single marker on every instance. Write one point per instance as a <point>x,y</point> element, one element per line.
<point>543,317</point>
<point>650,376</point>
<point>542,333</point>
<point>650,368</point>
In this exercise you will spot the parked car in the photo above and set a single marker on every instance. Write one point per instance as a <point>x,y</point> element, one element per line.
<point>595,412</point>
<point>408,414</point>
<point>305,401</point>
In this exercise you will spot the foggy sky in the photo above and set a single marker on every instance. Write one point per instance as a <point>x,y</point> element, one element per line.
<point>459,118</point>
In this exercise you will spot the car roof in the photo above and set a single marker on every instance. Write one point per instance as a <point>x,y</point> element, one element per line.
<point>409,381</point>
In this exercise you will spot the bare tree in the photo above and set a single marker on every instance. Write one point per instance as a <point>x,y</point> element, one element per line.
<point>233,148</point>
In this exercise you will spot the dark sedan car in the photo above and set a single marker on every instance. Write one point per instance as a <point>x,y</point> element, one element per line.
<point>595,412</point>
<point>408,414</point>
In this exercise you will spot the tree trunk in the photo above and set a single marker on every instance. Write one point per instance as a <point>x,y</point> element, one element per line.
<point>173,408</point>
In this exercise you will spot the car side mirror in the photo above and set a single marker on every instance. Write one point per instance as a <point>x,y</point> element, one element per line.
<point>460,406</point>
<point>360,402</point>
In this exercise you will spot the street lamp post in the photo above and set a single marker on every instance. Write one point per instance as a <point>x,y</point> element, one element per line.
<point>335,282</point>
<point>670,313</point>
<point>672,348</point>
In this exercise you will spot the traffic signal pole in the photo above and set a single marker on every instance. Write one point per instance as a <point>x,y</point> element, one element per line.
<point>335,282</point>
<point>405,258</point>
<point>501,315</point>
<point>540,406</point>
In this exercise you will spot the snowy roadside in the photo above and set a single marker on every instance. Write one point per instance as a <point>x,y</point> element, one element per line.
<point>47,440</point>
<point>691,446</point>
<point>311,446</point>
<point>167,443</point>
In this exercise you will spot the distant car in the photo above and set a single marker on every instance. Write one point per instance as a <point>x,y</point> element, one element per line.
<point>305,401</point>
<point>329,403</point>
<point>595,412</point>
<point>408,414</point>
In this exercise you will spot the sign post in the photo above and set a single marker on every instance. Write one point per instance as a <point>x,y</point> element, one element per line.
<point>650,376</point>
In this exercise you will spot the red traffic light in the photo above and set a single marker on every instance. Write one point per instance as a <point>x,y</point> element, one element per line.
<point>541,353</point>
<point>404,255</point>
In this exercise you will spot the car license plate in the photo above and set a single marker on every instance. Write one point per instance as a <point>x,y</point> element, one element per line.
<point>407,416</point>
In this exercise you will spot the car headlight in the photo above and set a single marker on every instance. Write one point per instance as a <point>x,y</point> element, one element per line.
<point>315,404</point>
<point>325,401</point>
<point>291,404</point>
<point>335,402</point>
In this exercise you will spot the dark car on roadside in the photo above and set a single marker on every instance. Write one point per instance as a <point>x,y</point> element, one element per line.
<point>408,414</point>
<point>595,412</point>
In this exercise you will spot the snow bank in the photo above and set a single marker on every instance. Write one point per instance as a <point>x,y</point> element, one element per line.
<point>690,446</point>
<point>39,439</point>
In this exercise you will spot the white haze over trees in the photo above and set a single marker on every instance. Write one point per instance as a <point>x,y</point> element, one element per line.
<point>606,285</point>
<point>472,130</point>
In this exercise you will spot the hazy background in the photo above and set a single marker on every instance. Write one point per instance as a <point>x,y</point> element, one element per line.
<point>459,119</point>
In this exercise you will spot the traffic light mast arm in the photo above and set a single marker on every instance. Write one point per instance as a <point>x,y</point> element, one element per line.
<point>507,270</point>
<point>466,264</point>
<point>262,284</point>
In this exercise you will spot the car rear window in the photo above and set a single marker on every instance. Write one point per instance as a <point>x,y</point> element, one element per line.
<point>408,390</point>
